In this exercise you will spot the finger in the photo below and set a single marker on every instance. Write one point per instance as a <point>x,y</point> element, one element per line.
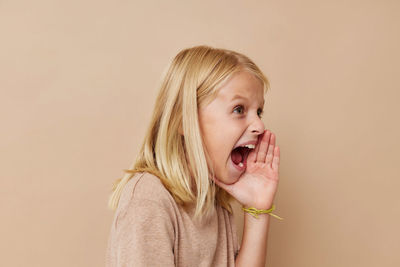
<point>276,159</point>
<point>253,154</point>
<point>270,153</point>
<point>262,152</point>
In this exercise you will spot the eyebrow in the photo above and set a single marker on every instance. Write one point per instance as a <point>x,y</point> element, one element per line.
<point>244,98</point>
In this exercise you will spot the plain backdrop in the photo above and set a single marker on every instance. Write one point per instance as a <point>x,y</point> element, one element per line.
<point>78,81</point>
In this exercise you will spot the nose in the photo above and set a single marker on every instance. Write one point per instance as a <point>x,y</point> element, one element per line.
<point>257,126</point>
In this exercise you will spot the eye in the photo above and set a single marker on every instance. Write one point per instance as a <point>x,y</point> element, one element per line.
<point>239,110</point>
<point>260,112</point>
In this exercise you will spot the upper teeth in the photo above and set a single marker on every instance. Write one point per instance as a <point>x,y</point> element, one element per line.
<point>250,146</point>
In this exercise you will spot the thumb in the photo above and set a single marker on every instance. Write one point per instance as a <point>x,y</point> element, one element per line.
<point>226,187</point>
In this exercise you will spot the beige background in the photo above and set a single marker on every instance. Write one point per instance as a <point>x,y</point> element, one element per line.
<point>78,81</point>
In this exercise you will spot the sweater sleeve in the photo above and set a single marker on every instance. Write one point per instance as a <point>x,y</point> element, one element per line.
<point>144,232</point>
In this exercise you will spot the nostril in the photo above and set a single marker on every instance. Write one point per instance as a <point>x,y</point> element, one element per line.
<point>258,130</point>
<point>257,126</point>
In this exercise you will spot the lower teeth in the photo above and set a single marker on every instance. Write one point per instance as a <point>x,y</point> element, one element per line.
<point>240,164</point>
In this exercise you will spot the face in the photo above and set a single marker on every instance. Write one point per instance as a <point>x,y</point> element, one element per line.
<point>231,121</point>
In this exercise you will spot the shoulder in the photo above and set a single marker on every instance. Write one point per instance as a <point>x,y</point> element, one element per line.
<point>146,190</point>
<point>147,186</point>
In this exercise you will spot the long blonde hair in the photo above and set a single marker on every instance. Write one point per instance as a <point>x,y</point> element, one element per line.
<point>173,147</point>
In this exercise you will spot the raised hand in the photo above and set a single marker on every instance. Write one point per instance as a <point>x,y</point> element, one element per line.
<point>257,186</point>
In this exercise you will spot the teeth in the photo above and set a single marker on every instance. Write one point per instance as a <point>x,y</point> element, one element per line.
<point>250,146</point>
<point>240,164</point>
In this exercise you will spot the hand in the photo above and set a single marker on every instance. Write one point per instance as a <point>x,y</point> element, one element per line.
<point>256,187</point>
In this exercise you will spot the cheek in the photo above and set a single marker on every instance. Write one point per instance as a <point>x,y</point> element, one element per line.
<point>221,149</point>
<point>217,148</point>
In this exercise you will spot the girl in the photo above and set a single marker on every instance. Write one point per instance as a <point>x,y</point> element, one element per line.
<point>206,144</point>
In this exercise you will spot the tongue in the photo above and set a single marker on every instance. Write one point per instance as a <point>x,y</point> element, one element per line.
<point>236,156</point>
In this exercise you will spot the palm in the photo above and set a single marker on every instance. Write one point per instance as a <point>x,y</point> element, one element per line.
<point>257,185</point>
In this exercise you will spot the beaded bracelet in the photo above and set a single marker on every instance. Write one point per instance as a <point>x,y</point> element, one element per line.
<point>254,212</point>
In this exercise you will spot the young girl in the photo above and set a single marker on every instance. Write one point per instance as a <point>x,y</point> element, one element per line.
<point>206,144</point>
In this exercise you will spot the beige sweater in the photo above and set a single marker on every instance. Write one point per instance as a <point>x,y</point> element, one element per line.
<point>150,229</point>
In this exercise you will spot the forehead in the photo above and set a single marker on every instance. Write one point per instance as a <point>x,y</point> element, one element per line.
<point>242,85</point>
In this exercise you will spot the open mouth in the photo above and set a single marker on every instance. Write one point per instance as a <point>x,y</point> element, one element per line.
<point>239,156</point>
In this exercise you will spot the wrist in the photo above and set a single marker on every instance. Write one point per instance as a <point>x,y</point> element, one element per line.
<point>256,212</point>
<point>259,205</point>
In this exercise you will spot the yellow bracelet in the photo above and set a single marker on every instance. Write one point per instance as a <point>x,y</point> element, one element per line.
<point>254,212</point>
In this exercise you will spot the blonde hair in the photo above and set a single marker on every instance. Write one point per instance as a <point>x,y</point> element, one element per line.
<point>173,148</point>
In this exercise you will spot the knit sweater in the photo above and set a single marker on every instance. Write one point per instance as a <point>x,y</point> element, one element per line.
<point>150,229</point>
